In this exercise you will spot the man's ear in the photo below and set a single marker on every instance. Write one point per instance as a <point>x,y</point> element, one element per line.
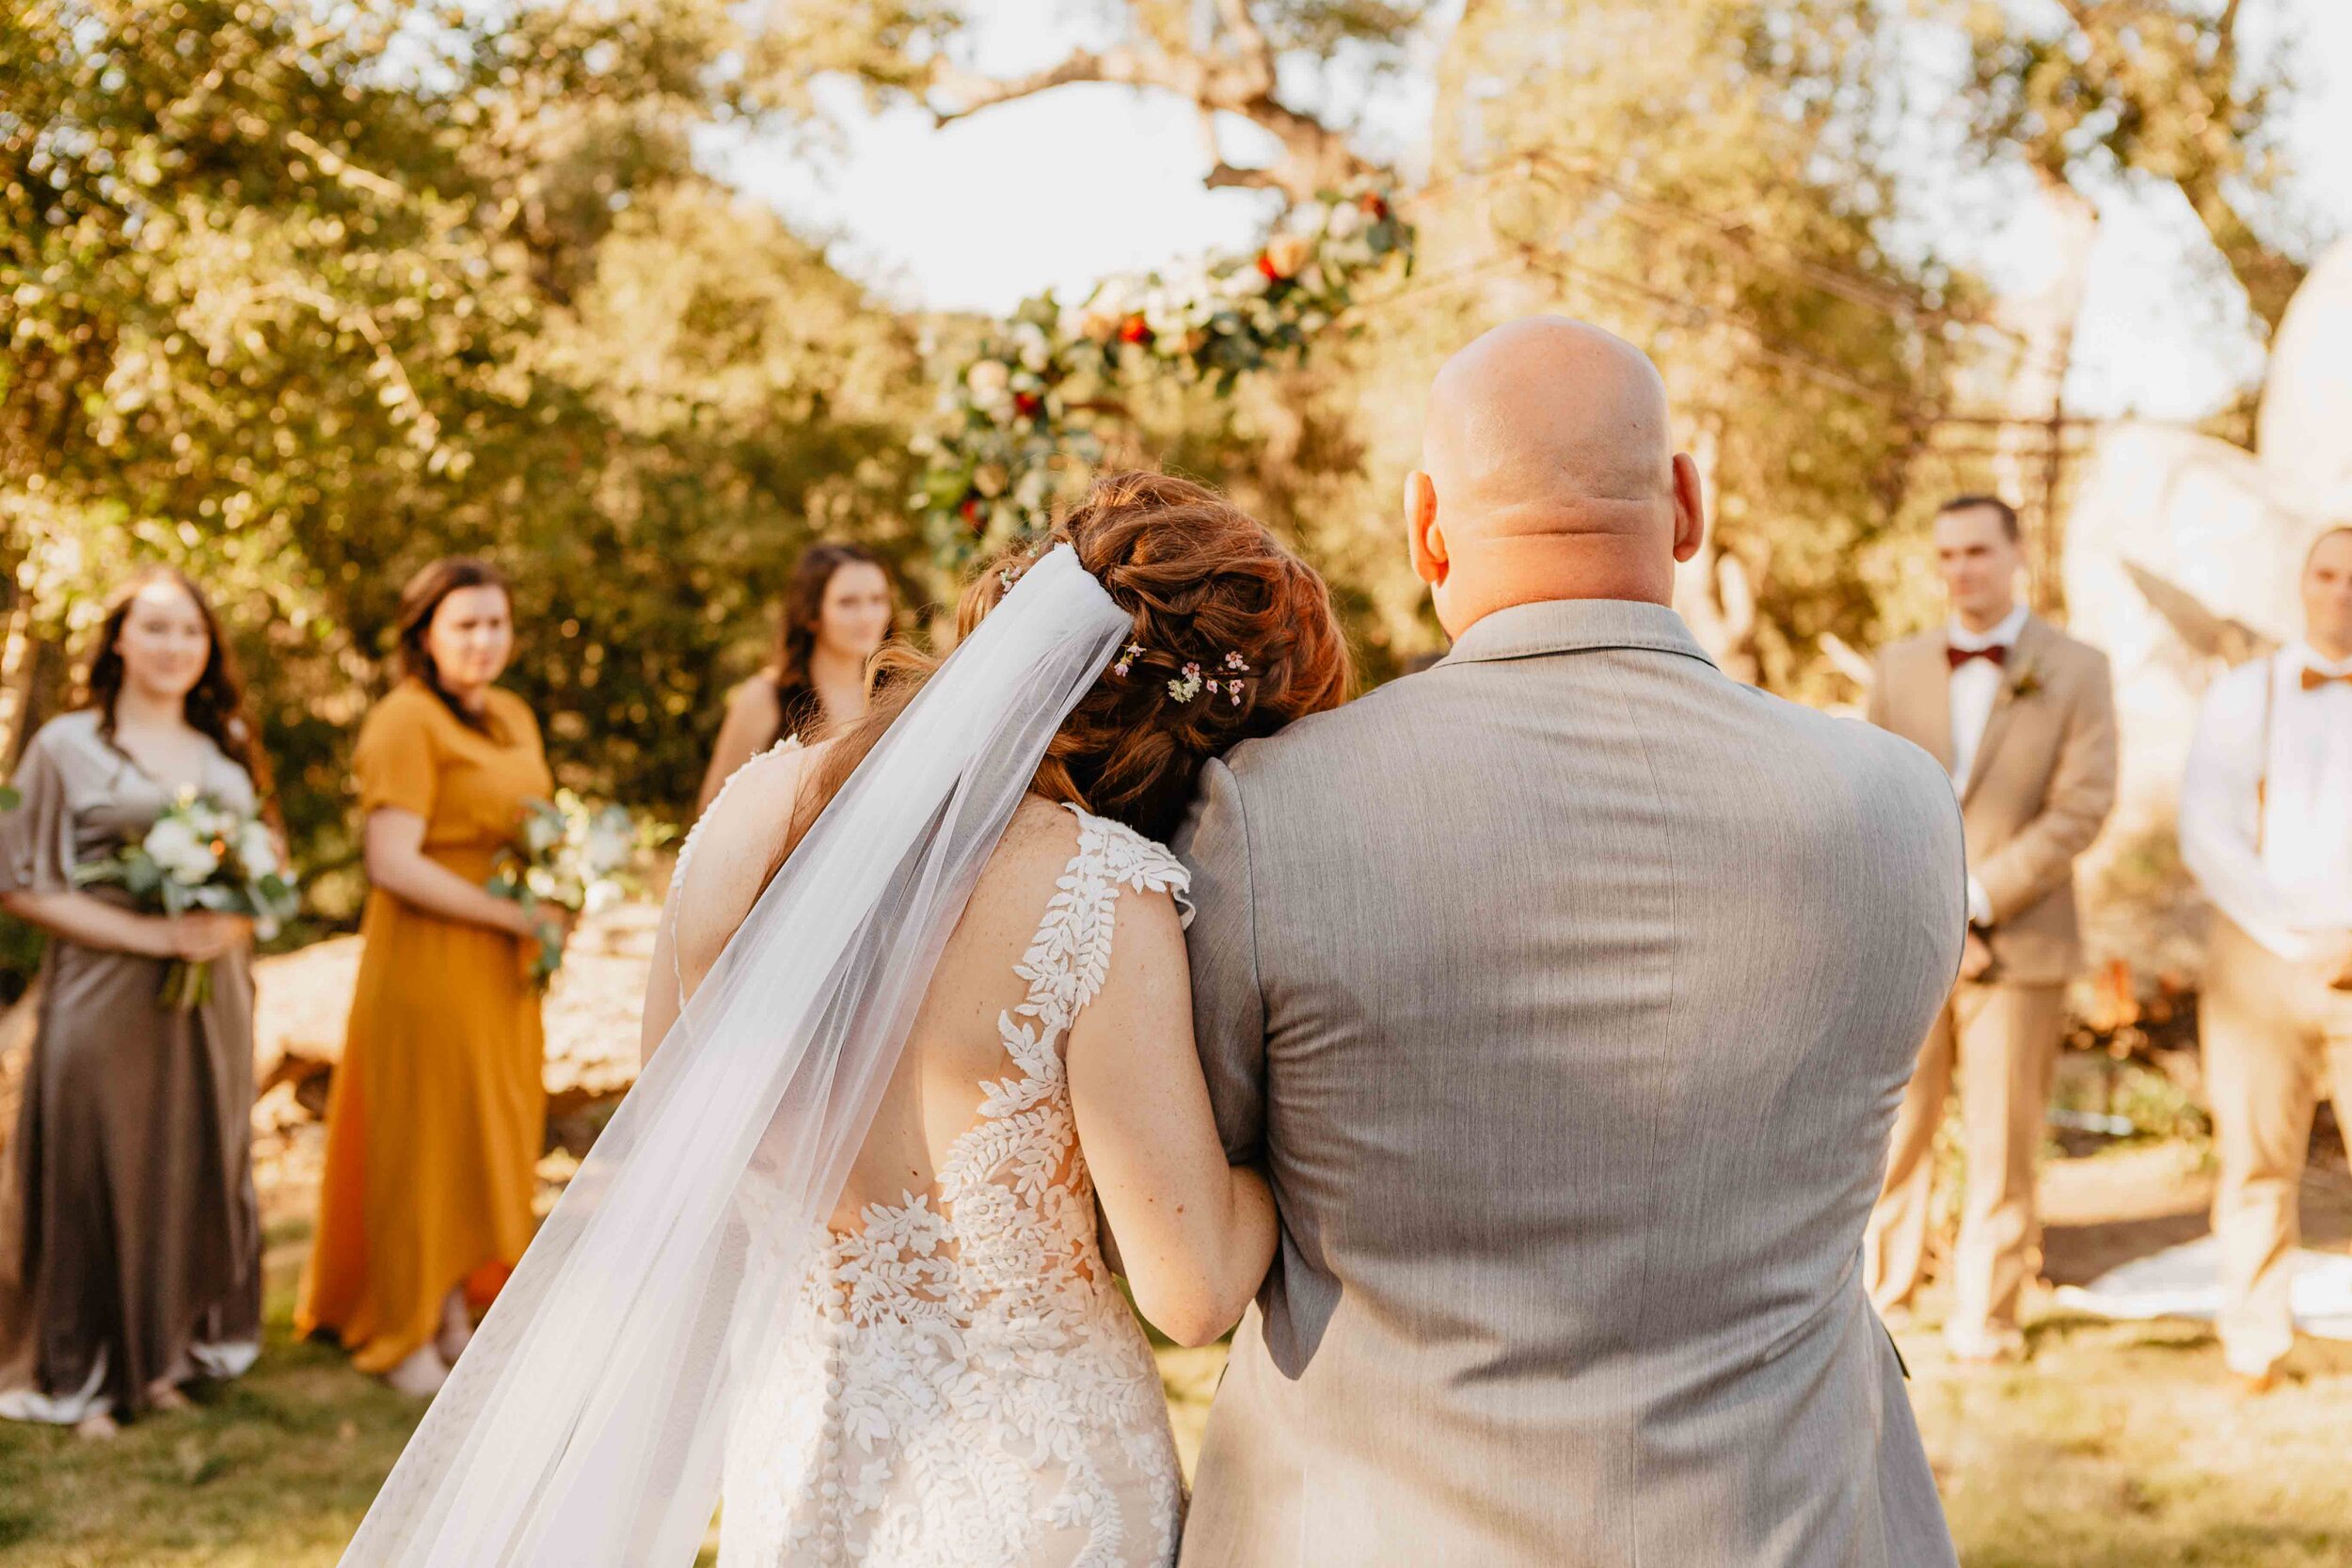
<point>1424,538</point>
<point>1690,508</point>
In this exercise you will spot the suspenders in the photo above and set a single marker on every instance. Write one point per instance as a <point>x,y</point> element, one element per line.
<point>2262,770</point>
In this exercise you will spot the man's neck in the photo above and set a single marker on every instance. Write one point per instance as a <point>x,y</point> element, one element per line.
<point>2329,653</point>
<point>1512,571</point>
<point>1978,625</point>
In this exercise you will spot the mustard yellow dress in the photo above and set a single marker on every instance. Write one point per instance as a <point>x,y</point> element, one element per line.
<point>438,1115</point>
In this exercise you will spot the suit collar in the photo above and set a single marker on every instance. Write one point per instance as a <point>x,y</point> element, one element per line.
<point>2004,633</point>
<point>2300,654</point>
<point>1576,625</point>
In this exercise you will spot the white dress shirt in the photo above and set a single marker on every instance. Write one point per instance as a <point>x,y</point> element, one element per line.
<point>1975,687</point>
<point>2277,862</point>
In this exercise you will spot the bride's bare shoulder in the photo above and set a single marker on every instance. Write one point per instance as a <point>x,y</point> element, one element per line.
<point>737,840</point>
<point>1019,877</point>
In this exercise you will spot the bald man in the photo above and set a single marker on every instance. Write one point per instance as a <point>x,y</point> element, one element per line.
<point>1566,991</point>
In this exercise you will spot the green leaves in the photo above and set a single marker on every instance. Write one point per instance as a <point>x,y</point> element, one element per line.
<point>1021,416</point>
<point>278,312</point>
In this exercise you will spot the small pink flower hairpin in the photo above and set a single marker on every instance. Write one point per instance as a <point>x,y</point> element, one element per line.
<point>1192,684</point>
<point>1127,660</point>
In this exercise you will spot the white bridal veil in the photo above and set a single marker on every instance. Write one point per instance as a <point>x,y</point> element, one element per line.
<point>582,1428</point>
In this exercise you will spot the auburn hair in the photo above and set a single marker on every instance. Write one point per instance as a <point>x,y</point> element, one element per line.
<point>1203,579</point>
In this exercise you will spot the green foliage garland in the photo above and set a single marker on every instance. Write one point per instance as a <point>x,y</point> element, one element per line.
<point>1018,419</point>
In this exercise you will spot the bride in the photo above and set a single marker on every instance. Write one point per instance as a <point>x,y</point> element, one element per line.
<point>921,1003</point>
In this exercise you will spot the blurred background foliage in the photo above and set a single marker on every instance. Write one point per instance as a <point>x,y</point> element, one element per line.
<point>299,295</point>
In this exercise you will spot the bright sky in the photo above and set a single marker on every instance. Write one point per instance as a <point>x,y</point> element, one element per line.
<point>1064,188</point>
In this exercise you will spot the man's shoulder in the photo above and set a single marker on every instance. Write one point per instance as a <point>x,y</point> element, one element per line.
<point>2067,651</point>
<point>1927,643</point>
<point>1308,747</point>
<point>2241,685</point>
<point>1894,782</point>
<point>1857,744</point>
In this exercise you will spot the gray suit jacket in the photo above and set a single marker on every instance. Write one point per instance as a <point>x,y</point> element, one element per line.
<point>1569,989</point>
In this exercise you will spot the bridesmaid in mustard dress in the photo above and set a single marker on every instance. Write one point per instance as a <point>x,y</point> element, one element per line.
<point>438,1117</point>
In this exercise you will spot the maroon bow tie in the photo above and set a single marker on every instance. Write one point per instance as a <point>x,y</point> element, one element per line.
<point>1998,654</point>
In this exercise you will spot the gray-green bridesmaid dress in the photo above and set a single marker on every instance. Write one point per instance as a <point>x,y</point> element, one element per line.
<point>130,1239</point>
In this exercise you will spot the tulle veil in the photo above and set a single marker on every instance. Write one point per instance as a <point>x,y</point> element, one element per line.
<point>584,1426</point>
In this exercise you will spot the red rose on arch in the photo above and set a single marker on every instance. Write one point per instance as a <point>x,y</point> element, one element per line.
<point>1027,404</point>
<point>1135,329</point>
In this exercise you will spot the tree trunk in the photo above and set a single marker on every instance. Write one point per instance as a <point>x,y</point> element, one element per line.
<point>18,666</point>
<point>2030,465</point>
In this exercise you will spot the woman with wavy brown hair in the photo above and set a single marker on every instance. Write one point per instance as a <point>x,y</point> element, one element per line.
<point>129,1247</point>
<point>958,1377</point>
<point>435,1125</point>
<point>835,617</point>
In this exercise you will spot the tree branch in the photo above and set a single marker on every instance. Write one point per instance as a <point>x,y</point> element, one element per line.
<point>1249,42</point>
<point>1314,156</point>
<point>1125,67</point>
<point>1226,177</point>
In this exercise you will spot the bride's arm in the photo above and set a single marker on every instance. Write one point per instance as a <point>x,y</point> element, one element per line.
<point>733,846</point>
<point>1196,1235</point>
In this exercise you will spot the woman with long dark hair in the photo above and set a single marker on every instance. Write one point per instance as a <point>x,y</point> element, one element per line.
<point>130,1242</point>
<point>437,1112</point>
<point>835,617</point>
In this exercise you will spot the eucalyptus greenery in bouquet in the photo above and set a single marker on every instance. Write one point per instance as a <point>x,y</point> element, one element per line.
<point>576,856</point>
<point>200,855</point>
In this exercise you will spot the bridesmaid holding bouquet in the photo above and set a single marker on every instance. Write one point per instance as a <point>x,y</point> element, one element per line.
<point>129,1240</point>
<point>437,1115</point>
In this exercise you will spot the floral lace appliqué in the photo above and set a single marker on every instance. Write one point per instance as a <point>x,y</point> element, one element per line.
<point>961,1384</point>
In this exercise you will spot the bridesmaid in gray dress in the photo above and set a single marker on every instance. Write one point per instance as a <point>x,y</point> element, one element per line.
<point>130,1241</point>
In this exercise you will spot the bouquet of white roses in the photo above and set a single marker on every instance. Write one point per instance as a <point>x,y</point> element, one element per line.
<point>201,855</point>
<point>576,856</point>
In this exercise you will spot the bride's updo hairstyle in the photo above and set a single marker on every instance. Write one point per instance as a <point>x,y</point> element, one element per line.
<point>1236,636</point>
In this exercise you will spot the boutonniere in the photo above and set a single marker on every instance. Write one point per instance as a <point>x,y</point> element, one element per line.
<point>2025,680</point>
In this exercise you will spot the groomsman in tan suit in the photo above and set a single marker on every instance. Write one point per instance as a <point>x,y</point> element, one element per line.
<point>2022,718</point>
<point>2266,829</point>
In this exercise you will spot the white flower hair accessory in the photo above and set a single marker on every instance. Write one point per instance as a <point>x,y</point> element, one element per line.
<point>1192,684</point>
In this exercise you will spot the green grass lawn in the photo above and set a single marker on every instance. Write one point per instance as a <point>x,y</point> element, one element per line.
<point>2126,1446</point>
<point>2120,1446</point>
<point>270,1471</point>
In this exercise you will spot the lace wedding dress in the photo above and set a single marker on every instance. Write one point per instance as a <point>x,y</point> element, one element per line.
<point>959,1384</point>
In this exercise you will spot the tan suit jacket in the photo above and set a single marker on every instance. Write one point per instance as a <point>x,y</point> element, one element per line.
<point>1568,990</point>
<point>2043,782</point>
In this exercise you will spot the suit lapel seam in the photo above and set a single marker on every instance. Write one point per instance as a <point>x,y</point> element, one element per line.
<point>2005,701</point>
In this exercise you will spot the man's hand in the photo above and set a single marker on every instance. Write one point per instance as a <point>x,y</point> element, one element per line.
<point>1976,959</point>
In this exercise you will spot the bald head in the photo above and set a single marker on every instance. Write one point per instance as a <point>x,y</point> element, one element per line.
<point>1548,472</point>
